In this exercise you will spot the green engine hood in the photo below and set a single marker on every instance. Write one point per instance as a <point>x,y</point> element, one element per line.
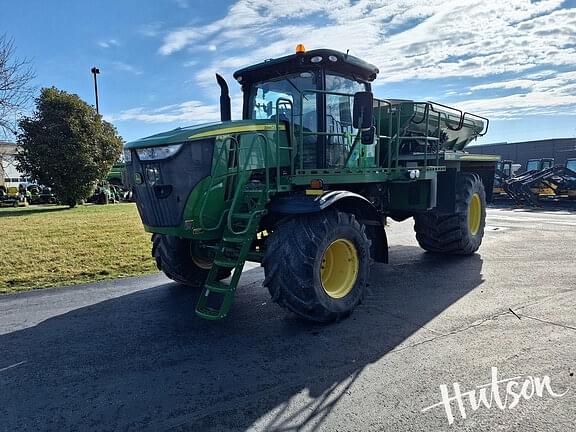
<point>200,131</point>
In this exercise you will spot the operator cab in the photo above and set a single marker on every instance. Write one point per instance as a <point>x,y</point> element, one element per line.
<point>539,164</point>
<point>313,92</point>
<point>505,168</point>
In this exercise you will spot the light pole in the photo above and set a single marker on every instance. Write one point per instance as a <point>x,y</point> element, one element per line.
<point>95,71</point>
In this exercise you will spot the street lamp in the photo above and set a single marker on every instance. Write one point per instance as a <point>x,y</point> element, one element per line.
<point>95,71</point>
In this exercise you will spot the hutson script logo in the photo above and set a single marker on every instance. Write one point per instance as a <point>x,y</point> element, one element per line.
<point>498,393</point>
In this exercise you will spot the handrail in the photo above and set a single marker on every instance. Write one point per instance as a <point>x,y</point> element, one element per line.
<point>240,184</point>
<point>237,148</point>
<point>485,131</point>
<point>280,101</point>
<point>446,116</point>
<point>212,177</point>
<point>463,115</point>
<point>397,137</point>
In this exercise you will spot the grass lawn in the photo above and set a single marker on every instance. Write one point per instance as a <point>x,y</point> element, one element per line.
<point>53,245</point>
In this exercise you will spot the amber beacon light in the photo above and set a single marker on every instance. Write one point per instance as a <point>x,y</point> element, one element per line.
<point>300,49</point>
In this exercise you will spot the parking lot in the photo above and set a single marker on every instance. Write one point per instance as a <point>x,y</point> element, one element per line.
<point>131,355</point>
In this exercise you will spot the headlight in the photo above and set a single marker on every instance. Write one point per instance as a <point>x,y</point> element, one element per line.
<point>127,155</point>
<point>155,153</point>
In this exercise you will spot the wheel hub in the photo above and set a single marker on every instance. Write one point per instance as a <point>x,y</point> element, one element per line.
<point>339,269</point>
<point>474,214</point>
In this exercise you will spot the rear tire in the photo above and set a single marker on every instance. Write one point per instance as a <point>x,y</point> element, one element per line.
<point>174,257</point>
<point>317,266</point>
<point>459,233</point>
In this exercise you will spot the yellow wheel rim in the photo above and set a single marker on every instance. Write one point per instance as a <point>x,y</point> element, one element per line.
<point>339,269</point>
<point>474,214</point>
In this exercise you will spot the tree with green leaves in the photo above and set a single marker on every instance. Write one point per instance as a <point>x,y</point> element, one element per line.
<point>66,145</point>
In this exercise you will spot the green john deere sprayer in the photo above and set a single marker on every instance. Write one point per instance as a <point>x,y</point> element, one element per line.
<point>304,182</point>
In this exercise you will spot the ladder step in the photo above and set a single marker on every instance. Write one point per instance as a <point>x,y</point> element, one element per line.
<point>217,287</point>
<point>232,239</point>
<point>223,262</point>
<point>242,216</point>
<point>210,313</point>
<point>254,192</point>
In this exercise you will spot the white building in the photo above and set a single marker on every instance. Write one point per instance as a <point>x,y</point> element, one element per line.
<point>8,171</point>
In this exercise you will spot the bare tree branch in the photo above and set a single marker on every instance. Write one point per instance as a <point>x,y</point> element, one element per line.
<point>15,90</point>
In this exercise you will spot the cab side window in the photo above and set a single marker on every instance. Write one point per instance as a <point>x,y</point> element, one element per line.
<point>339,118</point>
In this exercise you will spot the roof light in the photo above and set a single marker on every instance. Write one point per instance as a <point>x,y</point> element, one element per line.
<point>316,59</point>
<point>300,49</point>
<point>333,58</point>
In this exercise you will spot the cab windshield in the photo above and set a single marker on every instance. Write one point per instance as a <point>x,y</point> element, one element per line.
<point>264,96</point>
<point>323,140</point>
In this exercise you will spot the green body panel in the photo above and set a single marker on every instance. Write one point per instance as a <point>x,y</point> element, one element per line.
<point>214,129</point>
<point>207,204</point>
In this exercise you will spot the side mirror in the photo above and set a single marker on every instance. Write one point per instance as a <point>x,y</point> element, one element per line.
<point>363,110</point>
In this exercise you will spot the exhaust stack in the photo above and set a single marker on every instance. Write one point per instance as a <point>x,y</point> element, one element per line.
<point>225,109</point>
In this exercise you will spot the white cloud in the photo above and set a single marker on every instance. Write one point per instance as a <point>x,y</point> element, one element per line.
<point>108,43</point>
<point>125,67</point>
<point>549,96</point>
<point>190,112</point>
<point>510,51</point>
<point>407,39</point>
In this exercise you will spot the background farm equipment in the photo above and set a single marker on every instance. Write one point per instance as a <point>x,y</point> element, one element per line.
<point>13,196</point>
<point>116,175</point>
<point>106,194</point>
<point>41,195</point>
<point>543,182</point>
<point>504,170</point>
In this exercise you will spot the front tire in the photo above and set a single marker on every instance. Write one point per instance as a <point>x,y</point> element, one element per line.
<point>459,233</point>
<point>176,259</point>
<point>317,266</point>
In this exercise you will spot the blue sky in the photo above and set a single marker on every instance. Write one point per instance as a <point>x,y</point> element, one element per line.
<point>512,61</point>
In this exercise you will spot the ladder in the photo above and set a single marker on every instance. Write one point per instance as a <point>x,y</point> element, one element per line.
<point>246,210</point>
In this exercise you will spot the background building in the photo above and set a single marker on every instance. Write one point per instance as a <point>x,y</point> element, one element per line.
<point>7,162</point>
<point>558,148</point>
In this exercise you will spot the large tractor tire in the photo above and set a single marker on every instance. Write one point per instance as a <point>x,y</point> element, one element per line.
<point>459,233</point>
<point>175,257</point>
<point>317,266</point>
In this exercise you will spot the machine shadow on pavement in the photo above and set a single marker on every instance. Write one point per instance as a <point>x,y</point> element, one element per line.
<point>143,361</point>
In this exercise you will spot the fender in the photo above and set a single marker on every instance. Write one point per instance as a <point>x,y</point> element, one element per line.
<point>350,202</point>
<point>302,204</point>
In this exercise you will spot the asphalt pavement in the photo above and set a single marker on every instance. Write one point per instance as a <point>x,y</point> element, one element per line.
<point>130,354</point>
